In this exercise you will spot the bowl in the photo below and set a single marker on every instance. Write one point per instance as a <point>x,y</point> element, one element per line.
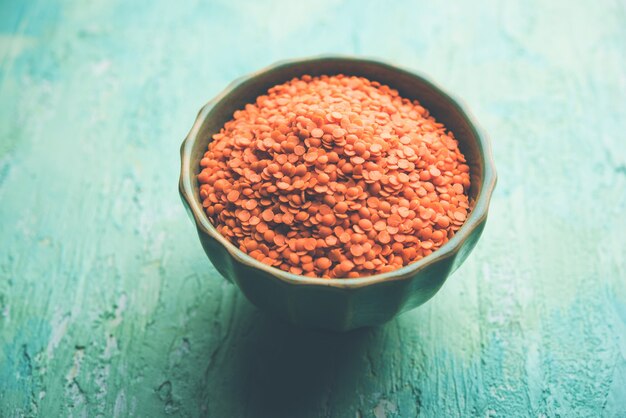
<point>338,304</point>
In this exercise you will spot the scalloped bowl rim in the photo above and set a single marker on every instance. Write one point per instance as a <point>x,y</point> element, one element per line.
<point>476,217</point>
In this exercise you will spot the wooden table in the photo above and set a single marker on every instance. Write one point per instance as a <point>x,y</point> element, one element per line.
<point>108,306</point>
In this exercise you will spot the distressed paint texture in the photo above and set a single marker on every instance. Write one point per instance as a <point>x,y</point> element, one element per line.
<point>108,306</point>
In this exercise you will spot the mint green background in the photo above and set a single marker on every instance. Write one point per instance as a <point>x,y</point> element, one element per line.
<point>109,307</point>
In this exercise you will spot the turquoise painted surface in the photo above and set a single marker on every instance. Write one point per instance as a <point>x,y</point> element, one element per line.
<point>108,306</point>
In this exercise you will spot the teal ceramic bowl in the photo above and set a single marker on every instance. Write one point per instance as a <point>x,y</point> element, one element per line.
<point>338,304</point>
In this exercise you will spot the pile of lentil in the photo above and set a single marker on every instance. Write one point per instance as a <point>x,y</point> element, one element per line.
<point>334,177</point>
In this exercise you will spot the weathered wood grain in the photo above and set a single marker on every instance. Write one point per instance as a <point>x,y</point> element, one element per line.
<point>108,306</point>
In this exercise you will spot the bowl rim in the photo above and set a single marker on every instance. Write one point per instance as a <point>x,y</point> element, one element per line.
<point>477,216</point>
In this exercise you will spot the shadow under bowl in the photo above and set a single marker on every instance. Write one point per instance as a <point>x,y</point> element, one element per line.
<point>338,304</point>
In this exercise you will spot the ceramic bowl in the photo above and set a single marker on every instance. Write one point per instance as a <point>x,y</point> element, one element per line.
<point>338,304</point>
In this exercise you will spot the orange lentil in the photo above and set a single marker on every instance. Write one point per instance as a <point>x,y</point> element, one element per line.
<point>404,212</point>
<point>335,176</point>
<point>344,237</point>
<point>346,265</point>
<point>459,215</point>
<point>356,250</point>
<point>341,207</point>
<point>365,224</point>
<point>384,237</point>
<point>244,216</point>
<point>331,240</point>
<point>328,219</point>
<point>443,222</point>
<point>380,226</point>
<point>267,215</point>
<point>232,196</point>
<point>269,235</point>
<point>310,244</point>
<point>426,245</point>
<point>437,235</point>
<point>323,263</point>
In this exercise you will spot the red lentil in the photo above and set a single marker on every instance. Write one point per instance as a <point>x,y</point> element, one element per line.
<point>335,176</point>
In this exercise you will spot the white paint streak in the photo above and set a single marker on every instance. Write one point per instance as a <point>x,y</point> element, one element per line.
<point>119,410</point>
<point>59,325</point>
<point>383,407</point>
<point>79,354</point>
<point>14,45</point>
<point>119,310</point>
<point>110,348</point>
<point>100,68</point>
